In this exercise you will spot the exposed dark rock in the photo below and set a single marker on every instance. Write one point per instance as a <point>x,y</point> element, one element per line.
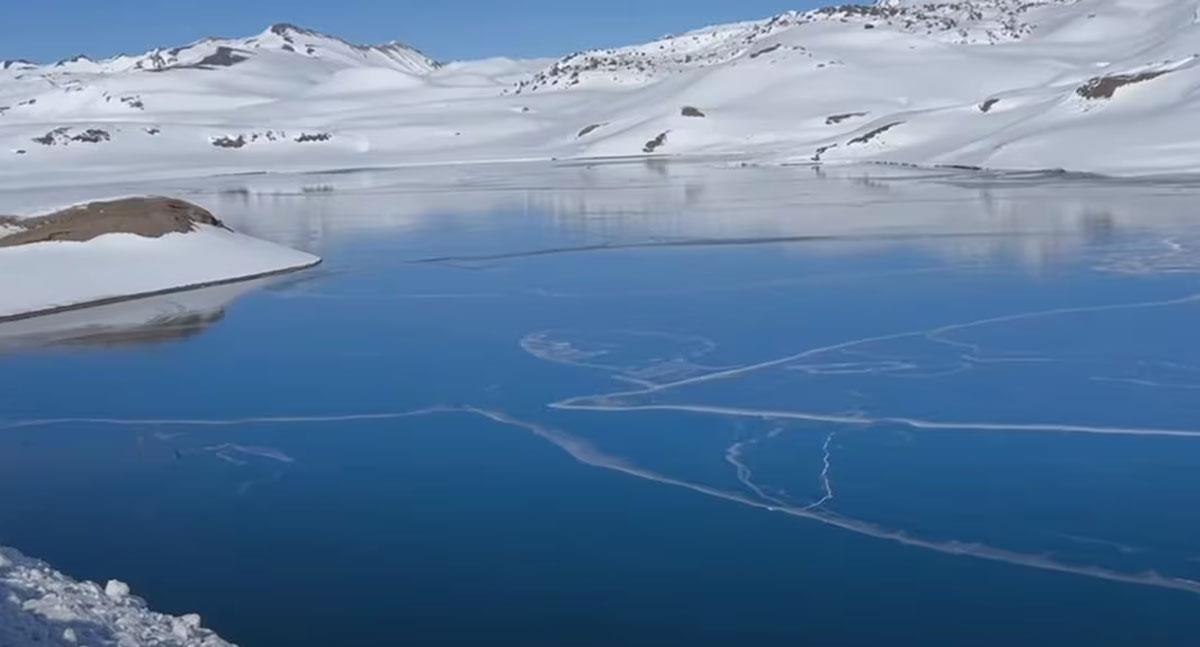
<point>765,50</point>
<point>74,59</point>
<point>223,57</point>
<point>286,29</point>
<point>656,143</point>
<point>314,137</point>
<point>988,104</point>
<point>821,151</point>
<point>150,217</point>
<point>229,142</point>
<point>1103,87</point>
<point>53,137</point>
<point>837,119</point>
<point>690,111</point>
<point>868,136</point>
<point>92,136</point>
<point>587,130</point>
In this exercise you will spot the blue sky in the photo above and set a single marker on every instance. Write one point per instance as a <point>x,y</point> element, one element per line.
<point>48,30</point>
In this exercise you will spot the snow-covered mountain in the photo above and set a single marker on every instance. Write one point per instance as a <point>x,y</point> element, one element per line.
<point>276,43</point>
<point>1108,86</point>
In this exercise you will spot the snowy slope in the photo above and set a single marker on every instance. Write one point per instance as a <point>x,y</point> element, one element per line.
<point>1088,85</point>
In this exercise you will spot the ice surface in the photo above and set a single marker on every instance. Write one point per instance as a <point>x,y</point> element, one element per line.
<point>911,356</point>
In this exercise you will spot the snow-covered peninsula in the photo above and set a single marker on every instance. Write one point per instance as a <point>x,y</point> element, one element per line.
<point>102,252</point>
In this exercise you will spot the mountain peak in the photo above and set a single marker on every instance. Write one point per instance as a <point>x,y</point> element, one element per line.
<point>78,58</point>
<point>287,29</point>
<point>19,63</point>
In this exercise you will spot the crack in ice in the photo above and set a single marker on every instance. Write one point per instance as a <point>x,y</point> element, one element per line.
<point>611,401</point>
<point>826,476</point>
<point>585,453</point>
<point>733,456</point>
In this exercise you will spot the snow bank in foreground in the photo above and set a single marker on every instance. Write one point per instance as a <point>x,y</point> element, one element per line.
<point>60,274</point>
<point>40,606</point>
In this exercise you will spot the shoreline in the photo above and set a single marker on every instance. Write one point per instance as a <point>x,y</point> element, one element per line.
<point>41,605</point>
<point>744,159</point>
<point>154,293</point>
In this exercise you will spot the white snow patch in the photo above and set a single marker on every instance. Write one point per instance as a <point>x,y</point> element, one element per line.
<point>116,589</point>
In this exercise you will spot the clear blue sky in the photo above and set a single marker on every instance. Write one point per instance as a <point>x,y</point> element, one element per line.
<point>48,30</point>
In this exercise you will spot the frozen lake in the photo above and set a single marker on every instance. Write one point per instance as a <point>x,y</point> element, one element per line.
<point>639,404</point>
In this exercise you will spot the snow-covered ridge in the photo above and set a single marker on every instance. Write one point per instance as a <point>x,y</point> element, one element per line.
<point>40,606</point>
<point>1106,86</point>
<point>213,53</point>
<point>969,22</point>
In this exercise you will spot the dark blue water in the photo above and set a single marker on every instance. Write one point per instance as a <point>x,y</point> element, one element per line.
<point>629,405</point>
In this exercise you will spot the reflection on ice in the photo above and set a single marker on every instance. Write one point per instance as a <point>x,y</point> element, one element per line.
<point>1166,256</point>
<point>151,320</point>
<point>968,216</point>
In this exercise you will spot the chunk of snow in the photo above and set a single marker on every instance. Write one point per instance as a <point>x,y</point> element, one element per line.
<point>116,589</point>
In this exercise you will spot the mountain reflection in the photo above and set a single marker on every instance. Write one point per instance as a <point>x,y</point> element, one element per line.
<point>154,320</point>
